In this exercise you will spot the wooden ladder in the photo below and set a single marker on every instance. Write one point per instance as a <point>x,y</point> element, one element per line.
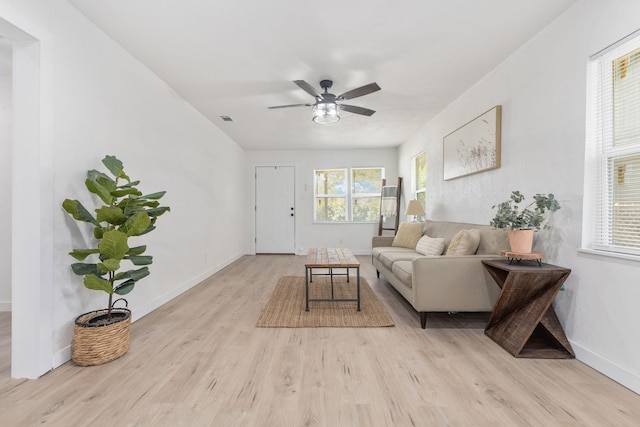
<point>381,226</point>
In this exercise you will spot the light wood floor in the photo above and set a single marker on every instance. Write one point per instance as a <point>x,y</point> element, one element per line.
<point>200,361</point>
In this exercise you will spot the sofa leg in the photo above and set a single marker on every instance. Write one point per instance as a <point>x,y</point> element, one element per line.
<point>423,319</point>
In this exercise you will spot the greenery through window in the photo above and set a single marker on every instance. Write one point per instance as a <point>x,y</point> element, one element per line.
<point>612,169</point>
<point>349,194</point>
<point>419,171</point>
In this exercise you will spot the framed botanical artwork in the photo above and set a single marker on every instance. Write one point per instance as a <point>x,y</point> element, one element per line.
<point>474,147</point>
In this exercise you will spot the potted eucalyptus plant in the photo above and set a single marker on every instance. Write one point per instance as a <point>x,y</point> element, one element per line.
<point>103,335</point>
<point>521,222</point>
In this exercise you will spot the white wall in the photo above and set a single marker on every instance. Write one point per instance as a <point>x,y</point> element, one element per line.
<point>5,179</point>
<point>541,88</point>
<point>101,100</point>
<point>357,237</point>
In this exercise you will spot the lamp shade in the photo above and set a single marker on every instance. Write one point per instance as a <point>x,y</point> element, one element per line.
<point>414,208</point>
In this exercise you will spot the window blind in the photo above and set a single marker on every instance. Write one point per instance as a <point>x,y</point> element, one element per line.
<point>612,164</point>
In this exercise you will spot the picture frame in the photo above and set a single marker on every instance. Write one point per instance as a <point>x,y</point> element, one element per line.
<point>474,147</point>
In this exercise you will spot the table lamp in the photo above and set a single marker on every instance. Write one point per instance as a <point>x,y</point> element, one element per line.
<point>414,208</point>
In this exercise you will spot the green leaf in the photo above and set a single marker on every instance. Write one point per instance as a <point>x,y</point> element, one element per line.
<point>98,189</point>
<point>82,269</point>
<point>125,192</point>
<point>96,283</point>
<point>115,166</point>
<point>77,211</point>
<point>139,273</point>
<point>158,211</point>
<point>135,275</point>
<point>108,183</point>
<point>114,244</point>
<point>125,287</point>
<point>136,224</point>
<point>112,215</point>
<point>81,254</point>
<point>98,232</point>
<point>140,260</point>
<point>96,175</point>
<point>129,184</point>
<point>154,196</point>
<point>137,250</point>
<point>109,265</point>
<point>150,204</point>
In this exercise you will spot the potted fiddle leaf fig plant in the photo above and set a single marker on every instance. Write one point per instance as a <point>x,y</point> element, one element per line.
<point>111,265</point>
<point>521,222</point>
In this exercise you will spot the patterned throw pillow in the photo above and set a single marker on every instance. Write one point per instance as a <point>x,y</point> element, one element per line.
<point>430,246</point>
<point>464,243</point>
<point>408,235</point>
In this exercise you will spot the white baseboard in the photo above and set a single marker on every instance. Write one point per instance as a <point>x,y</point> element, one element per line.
<point>5,305</point>
<point>606,367</point>
<point>62,356</point>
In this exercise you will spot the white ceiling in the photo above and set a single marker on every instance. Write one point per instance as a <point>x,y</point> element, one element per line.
<point>238,57</point>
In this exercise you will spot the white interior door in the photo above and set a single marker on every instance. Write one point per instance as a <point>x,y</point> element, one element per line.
<point>275,210</point>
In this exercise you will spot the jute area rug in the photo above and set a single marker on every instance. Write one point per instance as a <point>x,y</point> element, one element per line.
<point>285,309</point>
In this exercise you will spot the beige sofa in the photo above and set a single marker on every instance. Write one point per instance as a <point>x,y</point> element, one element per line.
<point>442,283</point>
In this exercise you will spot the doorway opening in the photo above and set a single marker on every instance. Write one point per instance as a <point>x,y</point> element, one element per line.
<point>31,188</point>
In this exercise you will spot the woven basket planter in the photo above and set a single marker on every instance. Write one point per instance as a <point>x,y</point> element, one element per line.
<point>95,344</point>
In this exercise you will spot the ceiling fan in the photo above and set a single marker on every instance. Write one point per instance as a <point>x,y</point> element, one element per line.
<point>327,106</point>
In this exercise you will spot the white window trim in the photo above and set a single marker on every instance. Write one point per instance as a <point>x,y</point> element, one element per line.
<point>349,196</point>
<point>414,174</point>
<point>600,149</point>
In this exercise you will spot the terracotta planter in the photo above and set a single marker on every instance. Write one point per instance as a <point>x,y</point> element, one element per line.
<point>521,241</point>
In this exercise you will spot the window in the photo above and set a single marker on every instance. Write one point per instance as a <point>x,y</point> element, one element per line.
<point>419,182</point>
<point>350,194</point>
<point>612,170</point>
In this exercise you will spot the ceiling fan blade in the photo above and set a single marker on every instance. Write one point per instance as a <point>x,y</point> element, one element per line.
<point>308,88</point>
<point>290,105</point>
<point>357,110</point>
<point>360,91</point>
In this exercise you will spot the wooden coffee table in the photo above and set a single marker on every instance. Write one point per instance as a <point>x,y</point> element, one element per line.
<point>330,258</point>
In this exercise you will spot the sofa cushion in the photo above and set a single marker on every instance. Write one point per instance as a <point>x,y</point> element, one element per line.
<point>376,252</point>
<point>389,258</point>
<point>403,271</point>
<point>465,242</point>
<point>430,245</point>
<point>408,235</point>
<point>492,241</point>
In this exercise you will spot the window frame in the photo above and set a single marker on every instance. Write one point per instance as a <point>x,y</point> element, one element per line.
<point>419,193</point>
<point>602,152</point>
<point>349,195</point>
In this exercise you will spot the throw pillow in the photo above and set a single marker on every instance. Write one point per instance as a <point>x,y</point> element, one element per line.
<point>430,245</point>
<point>464,243</point>
<point>408,235</point>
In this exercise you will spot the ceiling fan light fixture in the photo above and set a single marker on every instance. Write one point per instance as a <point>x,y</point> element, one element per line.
<point>325,113</point>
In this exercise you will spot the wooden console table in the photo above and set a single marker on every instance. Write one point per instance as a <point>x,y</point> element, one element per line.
<point>523,321</point>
